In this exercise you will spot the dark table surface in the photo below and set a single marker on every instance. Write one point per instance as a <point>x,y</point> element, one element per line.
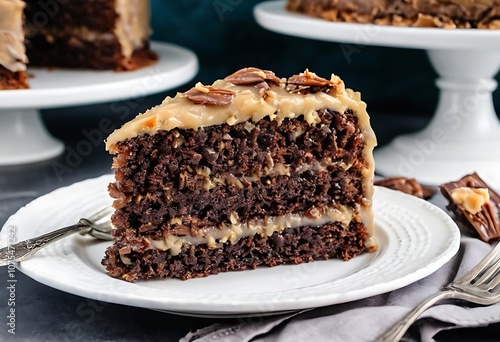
<point>47,314</point>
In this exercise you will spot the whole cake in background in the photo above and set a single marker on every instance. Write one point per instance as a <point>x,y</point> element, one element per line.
<point>482,14</point>
<point>251,170</point>
<point>93,34</point>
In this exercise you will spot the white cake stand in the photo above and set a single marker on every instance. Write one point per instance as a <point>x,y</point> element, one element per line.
<point>23,136</point>
<point>464,134</point>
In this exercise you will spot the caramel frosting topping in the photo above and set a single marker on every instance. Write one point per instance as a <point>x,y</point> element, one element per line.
<point>248,101</point>
<point>226,102</point>
<point>12,49</point>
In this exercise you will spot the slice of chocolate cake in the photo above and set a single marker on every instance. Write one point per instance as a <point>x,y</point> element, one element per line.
<point>94,34</point>
<point>252,170</point>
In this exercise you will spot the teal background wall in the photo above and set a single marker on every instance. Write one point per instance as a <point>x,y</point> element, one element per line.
<point>394,80</point>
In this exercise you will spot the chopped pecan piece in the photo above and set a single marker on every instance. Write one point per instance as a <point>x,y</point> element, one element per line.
<point>308,82</point>
<point>253,76</point>
<point>210,96</point>
<point>125,250</point>
<point>312,213</point>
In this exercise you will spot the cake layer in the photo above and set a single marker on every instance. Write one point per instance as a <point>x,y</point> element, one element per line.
<point>102,53</point>
<point>12,80</point>
<point>420,13</point>
<point>12,50</point>
<point>95,15</point>
<point>262,169</point>
<point>293,245</point>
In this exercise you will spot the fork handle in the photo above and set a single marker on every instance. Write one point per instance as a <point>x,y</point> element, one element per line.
<point>396,332</point>
<point>25,249</point>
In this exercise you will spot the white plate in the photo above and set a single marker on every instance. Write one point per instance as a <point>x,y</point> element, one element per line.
<point>70,87</point>
<point>416,238</point>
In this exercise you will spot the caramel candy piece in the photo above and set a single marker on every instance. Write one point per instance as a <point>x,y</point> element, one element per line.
<point>252,76</point>
<point>475,205</point>
<point>308,82</point>
<point>407,185</point>
<point>208,95</point>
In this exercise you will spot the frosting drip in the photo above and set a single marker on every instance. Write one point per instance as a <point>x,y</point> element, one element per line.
<point>132,28</point>
<point>12,49</point>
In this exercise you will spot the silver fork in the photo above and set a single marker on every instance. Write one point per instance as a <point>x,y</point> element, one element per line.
<point>97,225</point>
<point>481,285</point>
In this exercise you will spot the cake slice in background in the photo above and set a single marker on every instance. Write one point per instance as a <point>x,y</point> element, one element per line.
<point>12,49</point>
<point>251,170</point>
<point>100,35</point>
<point>484,14</point>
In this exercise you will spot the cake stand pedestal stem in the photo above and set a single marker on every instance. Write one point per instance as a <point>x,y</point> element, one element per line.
<point>464,133</point>
<point>24,138</point>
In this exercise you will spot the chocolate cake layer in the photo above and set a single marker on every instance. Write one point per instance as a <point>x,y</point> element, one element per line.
<point>94,15</point>
<point>260,170</point>
<point>293,245</point>
<point>72,52</point>
<point>13,80</point>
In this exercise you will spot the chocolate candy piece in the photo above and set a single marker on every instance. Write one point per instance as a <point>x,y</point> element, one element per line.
<point>475,205</point>
<point>407,185</point>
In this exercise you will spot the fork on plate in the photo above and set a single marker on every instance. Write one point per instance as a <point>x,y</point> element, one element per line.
<point>481,285</point>
<point>97,225</point>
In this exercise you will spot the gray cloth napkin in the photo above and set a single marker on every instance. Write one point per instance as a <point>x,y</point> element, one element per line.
<point>367,319</point>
